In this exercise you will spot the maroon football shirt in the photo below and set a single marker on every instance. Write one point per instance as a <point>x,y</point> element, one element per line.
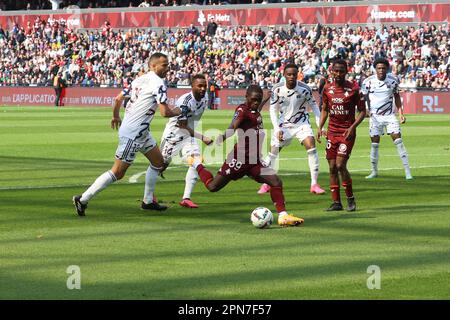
<point>342,103</point>
<point>250,135</point>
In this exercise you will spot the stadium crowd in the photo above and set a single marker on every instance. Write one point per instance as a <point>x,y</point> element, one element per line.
<point>63,4</point>
<point>231,56</point>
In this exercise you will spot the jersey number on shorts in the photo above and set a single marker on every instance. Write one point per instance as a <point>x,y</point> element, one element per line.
<point>235,164</point>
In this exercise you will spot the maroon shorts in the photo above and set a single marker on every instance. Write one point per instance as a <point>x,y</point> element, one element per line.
<point>235,170</point>
<point>338,146</point>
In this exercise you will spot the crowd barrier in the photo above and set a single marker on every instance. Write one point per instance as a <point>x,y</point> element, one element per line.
<point>420,102</point>
<point>255,16</point>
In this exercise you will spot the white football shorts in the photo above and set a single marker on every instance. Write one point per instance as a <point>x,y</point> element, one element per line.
<point>128,148</point>
<point>378,124</point>
<point>301,132</point>
<point>183,149</point>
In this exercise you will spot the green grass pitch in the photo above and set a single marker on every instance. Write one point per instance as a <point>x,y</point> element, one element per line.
<point>47,155</point>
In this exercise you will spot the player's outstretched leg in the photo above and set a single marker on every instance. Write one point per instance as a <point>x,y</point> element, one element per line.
<point>116,173</point>
<point>211,183</point>
<point>276,193</point>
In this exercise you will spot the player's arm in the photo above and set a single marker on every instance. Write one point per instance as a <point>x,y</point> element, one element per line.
<point>164,109</point>
<point>398,103</point>
<point>365,87</point>
<point>274,112</point>
<point>266,97</point>
<point>361,107</point>
<point>313,105</point>
<point>116,121</point>
<point>323,117</point>
<point>237,120</point>
<point>184,125</point>
<point>167,111</point>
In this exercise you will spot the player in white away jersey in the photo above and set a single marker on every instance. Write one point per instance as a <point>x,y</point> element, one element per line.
<point>290,120</point>
<point>148,93</point>
<point>179,135</point>
<point>380,91</point>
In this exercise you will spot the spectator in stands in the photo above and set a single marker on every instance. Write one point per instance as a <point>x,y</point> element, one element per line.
<point>144,4</point>
<point>211,27</point>
<point>31,53</point>
<point>55,4</point>
<point>58,86</point>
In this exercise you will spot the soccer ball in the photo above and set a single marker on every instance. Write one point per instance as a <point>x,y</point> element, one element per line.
<point>261,217</point>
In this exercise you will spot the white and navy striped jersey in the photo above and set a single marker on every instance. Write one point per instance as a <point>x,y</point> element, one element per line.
<point>147,91</point>
<point>288,106</point>
<point>196,109</point>
<point>380,94</point>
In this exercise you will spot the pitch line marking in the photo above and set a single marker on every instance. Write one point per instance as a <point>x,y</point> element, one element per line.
<point>174,180</point>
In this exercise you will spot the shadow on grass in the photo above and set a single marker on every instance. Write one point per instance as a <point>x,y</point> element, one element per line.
<point>240,283</point>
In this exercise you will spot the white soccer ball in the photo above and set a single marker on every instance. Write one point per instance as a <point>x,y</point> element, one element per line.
<point>261,217</point>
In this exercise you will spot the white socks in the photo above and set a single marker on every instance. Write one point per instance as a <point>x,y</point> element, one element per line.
<point>191,180</point>
<point>150,181</point>
<point>313,160</point>
<point>101,183</point>
<point>269,160</point>
<point>374,157</point>
<point>196,163</point>
<point>403,155</point>
<point>282,214</point>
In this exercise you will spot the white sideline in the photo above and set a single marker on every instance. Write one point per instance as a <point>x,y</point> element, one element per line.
<point>133,179</point>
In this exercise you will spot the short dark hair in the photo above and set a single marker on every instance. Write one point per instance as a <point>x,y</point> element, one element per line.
<point>342,62</point>
<point>290,65</point>
<point>198,76</point>
<point>156,56</point>
<point>381,60</point>
<point>254,88</point>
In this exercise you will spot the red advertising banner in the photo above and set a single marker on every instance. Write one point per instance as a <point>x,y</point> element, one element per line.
<point>361,14</point>
<point>426,102</point>
<point>422,102</point>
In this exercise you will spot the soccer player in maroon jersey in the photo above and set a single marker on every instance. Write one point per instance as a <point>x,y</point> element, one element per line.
<point>340,99</point>
<point>245,159</point>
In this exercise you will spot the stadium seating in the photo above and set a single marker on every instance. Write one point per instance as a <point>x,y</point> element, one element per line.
<point>233,56</point>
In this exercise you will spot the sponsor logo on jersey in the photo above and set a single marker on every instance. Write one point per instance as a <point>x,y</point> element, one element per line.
<point>337,100</point>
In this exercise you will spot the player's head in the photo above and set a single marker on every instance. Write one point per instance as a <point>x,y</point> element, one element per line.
<point>290,74</point>
<point>381,66</point>
<point>254,96</point>
<point>159,64</point>
<point>339,70</point>
<point>199,85</point>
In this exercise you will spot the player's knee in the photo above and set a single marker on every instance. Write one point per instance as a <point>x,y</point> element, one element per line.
<point>212,187</point>
<point>333,169</point>
<point>341,167</point>
<point>158,163</point>
<point>275,182</point>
